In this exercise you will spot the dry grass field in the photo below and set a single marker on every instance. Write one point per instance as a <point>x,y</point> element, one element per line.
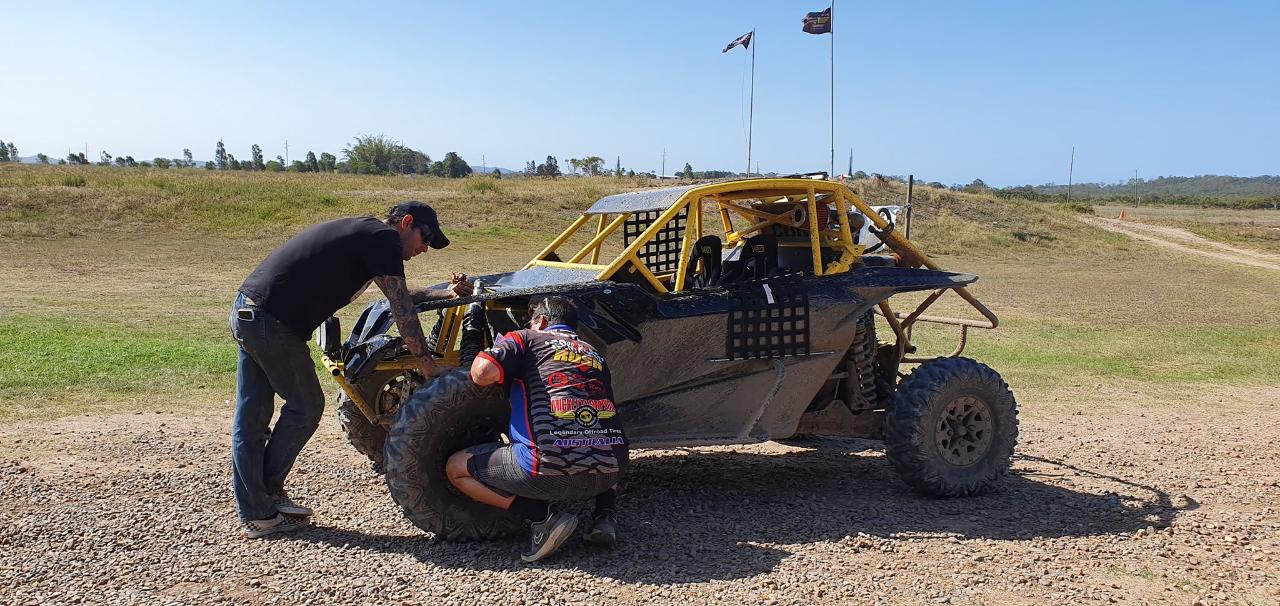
<point>1257,229</point>
<point>1146,379</point>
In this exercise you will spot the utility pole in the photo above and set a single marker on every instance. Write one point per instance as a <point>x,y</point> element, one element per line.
<point>1070,172</point>
<point>751,111</point>
<point>664,160</point>
<point>1137,185</point>
<point>832,26</point>
<point>483,164</point>
<point>286,153</point>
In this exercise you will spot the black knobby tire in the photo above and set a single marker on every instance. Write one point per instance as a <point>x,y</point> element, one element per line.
<point>367,438</point>
<point>448,415</point>
<point>952,428</point>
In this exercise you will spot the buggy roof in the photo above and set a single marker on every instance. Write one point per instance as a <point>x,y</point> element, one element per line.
<point>639,201</point>
<point>666,197</point>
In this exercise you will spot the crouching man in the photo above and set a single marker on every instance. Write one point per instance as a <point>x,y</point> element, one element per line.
<point>567,442</point>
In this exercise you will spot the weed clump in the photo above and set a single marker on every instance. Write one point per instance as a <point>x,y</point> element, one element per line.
<point>74,181</point>
<point>1083,208</point>
<point>479,185</point>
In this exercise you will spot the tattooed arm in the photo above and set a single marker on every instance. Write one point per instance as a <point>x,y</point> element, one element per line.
<point>422,295</point>
<point>458,287</point>
<point>410,329</point>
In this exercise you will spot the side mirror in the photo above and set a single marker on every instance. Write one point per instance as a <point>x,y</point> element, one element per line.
<point>329,337</point>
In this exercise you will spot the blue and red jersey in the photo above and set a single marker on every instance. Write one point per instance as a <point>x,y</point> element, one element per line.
<point>563,417</point>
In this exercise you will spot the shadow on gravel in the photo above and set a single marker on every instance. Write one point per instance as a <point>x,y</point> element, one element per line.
<point>724,515</point>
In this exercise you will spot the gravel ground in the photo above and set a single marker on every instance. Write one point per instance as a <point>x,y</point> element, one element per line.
<point>1130,505</point>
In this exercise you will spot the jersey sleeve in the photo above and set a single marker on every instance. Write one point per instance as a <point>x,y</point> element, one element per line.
<point>509,352</point>
<point>381,254</point>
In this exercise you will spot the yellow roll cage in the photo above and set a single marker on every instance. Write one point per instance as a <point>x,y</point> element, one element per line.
<point>734,199</point>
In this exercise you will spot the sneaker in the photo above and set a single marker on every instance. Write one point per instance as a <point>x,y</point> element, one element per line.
<point>254,529</point>
<point>604,531</point>
<point>286,505</point>
<point>548,535</point>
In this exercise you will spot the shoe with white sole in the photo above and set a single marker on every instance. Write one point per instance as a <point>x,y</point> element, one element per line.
<point>286,505</point>
<point>256,529</point>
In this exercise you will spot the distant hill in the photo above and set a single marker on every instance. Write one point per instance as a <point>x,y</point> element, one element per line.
<point>490,169</point>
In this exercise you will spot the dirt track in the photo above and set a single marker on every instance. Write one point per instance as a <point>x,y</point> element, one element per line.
<point>1182,240</point>
<point>1111,502</point>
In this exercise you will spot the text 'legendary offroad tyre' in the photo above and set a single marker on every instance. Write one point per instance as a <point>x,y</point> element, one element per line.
<point>448,415</point>
<point>952,428</point>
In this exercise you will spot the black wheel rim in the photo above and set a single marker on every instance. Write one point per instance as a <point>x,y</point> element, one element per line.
<point>964,431</point>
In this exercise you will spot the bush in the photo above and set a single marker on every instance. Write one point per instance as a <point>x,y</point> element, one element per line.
<point>74,181</point>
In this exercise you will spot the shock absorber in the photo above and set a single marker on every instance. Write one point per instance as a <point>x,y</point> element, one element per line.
<point>474,327</point>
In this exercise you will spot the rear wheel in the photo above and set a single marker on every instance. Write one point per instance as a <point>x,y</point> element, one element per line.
<point>952,428</point>
<point>448,415</point>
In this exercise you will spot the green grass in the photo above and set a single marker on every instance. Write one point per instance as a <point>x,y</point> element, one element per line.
<point>45,355</point>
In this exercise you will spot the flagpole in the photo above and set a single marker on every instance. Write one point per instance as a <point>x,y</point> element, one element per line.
<point>832,25</point>
<point>751,106</point>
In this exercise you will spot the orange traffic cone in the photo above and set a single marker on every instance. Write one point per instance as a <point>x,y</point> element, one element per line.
<point>1121,215</point>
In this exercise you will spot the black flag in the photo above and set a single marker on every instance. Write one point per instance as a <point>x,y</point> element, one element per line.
<point>744,41</point>
<point>818,23</point>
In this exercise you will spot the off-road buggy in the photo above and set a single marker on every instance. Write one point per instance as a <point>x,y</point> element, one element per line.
<point>729,313</point>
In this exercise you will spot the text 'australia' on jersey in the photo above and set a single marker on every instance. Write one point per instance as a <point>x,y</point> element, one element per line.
<point>563,418</point>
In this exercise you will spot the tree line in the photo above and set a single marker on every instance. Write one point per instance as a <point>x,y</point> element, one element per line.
<point>593,166</point>
<point>366,155</point>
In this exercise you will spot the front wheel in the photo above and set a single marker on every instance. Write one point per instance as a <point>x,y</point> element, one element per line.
<point>449,414</point>
<point>385,391</point>
<point>367,437</point>
<point>952,428</point>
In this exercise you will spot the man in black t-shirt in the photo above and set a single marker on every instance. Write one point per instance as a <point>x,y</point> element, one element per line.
<point>292,292</point>
<point>567,441</point>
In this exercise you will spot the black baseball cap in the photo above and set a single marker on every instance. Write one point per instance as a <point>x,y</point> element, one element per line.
<point>423,217</point>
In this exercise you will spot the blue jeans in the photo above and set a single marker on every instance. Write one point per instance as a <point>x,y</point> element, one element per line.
<point>273,360</point>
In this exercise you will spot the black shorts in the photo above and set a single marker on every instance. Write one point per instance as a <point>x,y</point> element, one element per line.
<point>495,466</point>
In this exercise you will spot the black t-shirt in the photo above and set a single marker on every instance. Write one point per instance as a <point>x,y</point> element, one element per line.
<point>322,269</point>
<point>563,419</point>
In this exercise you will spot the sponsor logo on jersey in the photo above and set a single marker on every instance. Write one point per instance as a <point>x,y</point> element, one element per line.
<point>585,412</point>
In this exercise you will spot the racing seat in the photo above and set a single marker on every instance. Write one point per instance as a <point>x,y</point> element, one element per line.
<point>758,260</point>
<point>708,250</point>
<point>760,257</point>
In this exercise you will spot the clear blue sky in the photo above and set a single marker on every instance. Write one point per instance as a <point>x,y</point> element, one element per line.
<point>949,91</point>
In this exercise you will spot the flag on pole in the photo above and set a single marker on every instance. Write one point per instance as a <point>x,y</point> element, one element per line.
<point>744,42</point>
<point>818,23</point>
